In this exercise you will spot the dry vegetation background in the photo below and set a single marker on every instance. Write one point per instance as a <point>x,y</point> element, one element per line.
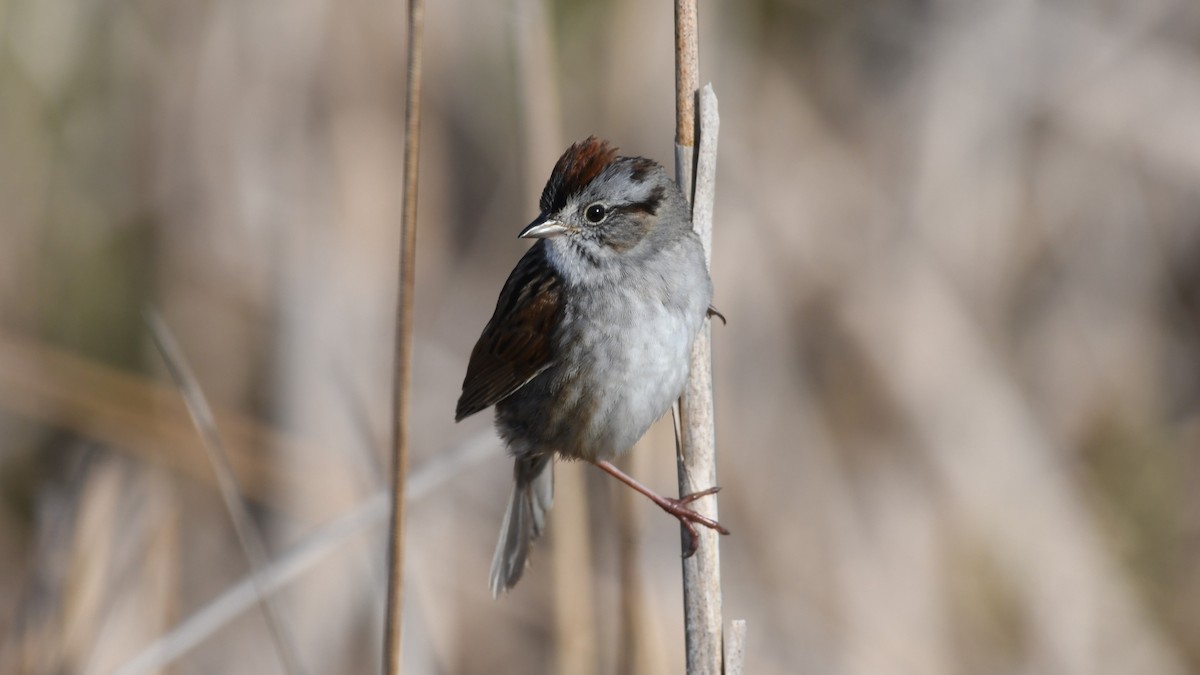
<point>958,398</point>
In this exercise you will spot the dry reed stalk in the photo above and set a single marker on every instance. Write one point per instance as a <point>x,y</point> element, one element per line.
<point>243,524</point>
<point>574,614</point>
<point>639,645</point>
<point>304,556</point>
<point>92,596</point>
<point>697,453</point>
<point>402,374</point>
<point>136,415</point>
<point>629,578</point>
<point>735,648</point>
<point>687,79</point>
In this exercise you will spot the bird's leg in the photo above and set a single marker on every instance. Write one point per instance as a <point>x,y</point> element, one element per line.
<point>712,311</point>
<point>676,507</point>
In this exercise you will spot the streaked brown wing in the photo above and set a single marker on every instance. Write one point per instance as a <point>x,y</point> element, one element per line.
<point>517,343</point>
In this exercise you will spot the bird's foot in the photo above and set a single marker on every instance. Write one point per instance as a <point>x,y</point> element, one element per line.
<point>712,311</point>
<point>676,507</point>
<point>689,518</point>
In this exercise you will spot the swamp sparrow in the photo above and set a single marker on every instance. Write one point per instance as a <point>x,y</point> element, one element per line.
<point>590,339</point>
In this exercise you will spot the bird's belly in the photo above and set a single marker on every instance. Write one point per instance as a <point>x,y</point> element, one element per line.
<point>633,376</point>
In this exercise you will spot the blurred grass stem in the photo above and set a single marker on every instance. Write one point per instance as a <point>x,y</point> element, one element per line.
<point>402,374</point>
<point>137,415</point>
<point>247,534</point>
<point>212,617</point>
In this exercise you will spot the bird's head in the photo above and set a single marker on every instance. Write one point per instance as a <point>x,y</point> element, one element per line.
<point>604,205</point>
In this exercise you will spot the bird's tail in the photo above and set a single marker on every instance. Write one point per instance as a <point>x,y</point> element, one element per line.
<point>531,498</point>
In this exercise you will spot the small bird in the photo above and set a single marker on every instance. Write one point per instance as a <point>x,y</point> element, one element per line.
<point>590,338</point>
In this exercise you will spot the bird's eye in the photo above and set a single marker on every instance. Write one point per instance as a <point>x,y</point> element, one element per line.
<point>595,213</point>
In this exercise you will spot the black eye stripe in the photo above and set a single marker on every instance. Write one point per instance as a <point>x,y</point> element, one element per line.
<point>648,206</point>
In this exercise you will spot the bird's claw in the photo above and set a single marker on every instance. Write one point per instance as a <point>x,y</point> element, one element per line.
<point>689,518</point>
<point>712,311</point>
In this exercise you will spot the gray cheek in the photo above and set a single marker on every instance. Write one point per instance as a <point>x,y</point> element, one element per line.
<point>624,233</point>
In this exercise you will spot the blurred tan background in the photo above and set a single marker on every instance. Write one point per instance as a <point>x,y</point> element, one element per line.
<point>958,398</point>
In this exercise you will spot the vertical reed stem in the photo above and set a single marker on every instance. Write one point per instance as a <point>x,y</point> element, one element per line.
<point>697,457</point>
<point>402,374</point>
<point>687,76</point>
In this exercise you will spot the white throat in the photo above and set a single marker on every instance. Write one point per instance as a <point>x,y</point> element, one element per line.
<point>582,263</point>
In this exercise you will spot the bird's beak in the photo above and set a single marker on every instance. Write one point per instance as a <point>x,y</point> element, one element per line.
<point>542,228</point>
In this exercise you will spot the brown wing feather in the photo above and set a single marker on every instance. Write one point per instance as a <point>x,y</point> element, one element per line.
<point>517,343</point>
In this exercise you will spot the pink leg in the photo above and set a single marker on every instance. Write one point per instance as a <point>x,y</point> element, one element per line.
<point>675,507</point>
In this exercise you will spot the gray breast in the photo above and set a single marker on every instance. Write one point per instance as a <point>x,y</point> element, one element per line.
<point>622,362</point>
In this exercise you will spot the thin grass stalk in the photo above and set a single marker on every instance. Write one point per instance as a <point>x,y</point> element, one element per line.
<point>402,371</point>
<point>248,536</point>
<point>697,465</point>
<point>687,79</point>
<point>636,628</point>
<point>138,416</point>
<point>237,598</point>
<point>203,623</point>
<point>372,475</point>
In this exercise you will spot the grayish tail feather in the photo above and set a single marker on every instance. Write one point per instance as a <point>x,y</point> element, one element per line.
<point>524,519</point>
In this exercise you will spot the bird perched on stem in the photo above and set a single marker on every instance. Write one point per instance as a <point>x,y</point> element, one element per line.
<point>590,339</point>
